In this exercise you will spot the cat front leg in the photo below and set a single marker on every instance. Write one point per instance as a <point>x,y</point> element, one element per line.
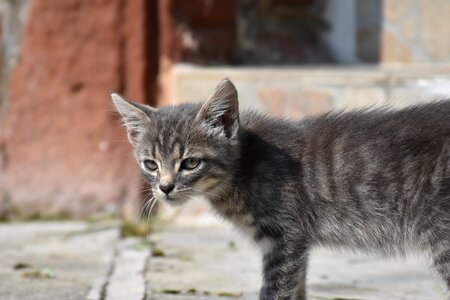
<point>300,291</point>
<point>441,261</point>
<point>283,266</point>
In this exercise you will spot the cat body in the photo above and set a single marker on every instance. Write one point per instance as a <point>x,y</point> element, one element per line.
<point>375,180</point>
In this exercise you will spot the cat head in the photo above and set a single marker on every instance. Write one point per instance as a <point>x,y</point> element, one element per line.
<point>185,150</point>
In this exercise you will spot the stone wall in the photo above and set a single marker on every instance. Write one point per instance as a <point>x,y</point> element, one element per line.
<point>12,18</point>
<point>63,151</point>
<point>415,31</point>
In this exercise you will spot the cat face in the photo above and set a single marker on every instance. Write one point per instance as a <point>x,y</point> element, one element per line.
<point>185,150</point>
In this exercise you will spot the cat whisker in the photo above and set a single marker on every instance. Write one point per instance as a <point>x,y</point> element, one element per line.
<point>151,207</point>
<point>145,206</point>
<point>148,219</point>
<point>184,190</point>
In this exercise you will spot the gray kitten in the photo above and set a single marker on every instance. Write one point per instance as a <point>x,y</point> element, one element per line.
<point>376,180</point>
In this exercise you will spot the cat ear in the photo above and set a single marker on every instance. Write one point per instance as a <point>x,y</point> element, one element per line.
<point>135,116</point>
<point>220,113</point>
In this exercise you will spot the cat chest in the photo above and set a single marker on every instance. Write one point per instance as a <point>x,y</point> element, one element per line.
<point>247,227</point>
<point>245,223</point>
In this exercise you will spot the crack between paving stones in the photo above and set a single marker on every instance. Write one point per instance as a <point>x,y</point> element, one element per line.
<point>147,292</point>
<point>104,289</point>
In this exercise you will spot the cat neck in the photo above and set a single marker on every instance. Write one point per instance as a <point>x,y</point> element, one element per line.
<point>268,156</point>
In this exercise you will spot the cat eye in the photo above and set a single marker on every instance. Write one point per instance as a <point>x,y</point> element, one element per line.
<point>150,165</point>
<point>190,163</point>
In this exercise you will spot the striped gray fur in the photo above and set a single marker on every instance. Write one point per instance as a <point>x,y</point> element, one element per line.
<point>373,180</point>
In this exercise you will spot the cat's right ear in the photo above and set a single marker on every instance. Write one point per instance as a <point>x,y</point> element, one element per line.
<point>135,116</point>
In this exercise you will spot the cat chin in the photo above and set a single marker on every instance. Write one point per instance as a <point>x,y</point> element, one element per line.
<point>175,201</point>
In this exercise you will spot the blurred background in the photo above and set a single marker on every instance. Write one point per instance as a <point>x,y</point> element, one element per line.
<point>63,152</point>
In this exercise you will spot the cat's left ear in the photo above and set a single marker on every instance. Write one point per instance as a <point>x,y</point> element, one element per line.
<point>135,116</point>
<point>220,113</point>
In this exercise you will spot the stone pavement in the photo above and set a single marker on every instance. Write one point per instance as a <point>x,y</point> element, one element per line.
<point>77,260</point>
<point>212,262</point>
<point>53,260</point>
<point>70,260</point>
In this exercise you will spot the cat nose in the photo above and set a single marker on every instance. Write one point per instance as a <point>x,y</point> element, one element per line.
<point>167,188</point>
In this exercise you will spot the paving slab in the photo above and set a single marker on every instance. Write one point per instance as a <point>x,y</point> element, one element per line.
<point>201,263</point>
<point>215,263</point>
<point>126,280</point>
<point>55,260</point>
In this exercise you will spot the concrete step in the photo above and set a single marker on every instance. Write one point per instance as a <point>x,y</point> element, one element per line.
<point>297,92</point>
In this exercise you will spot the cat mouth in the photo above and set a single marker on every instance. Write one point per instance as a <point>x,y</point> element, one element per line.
<point>175,201</point>
<point>169,198</point>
